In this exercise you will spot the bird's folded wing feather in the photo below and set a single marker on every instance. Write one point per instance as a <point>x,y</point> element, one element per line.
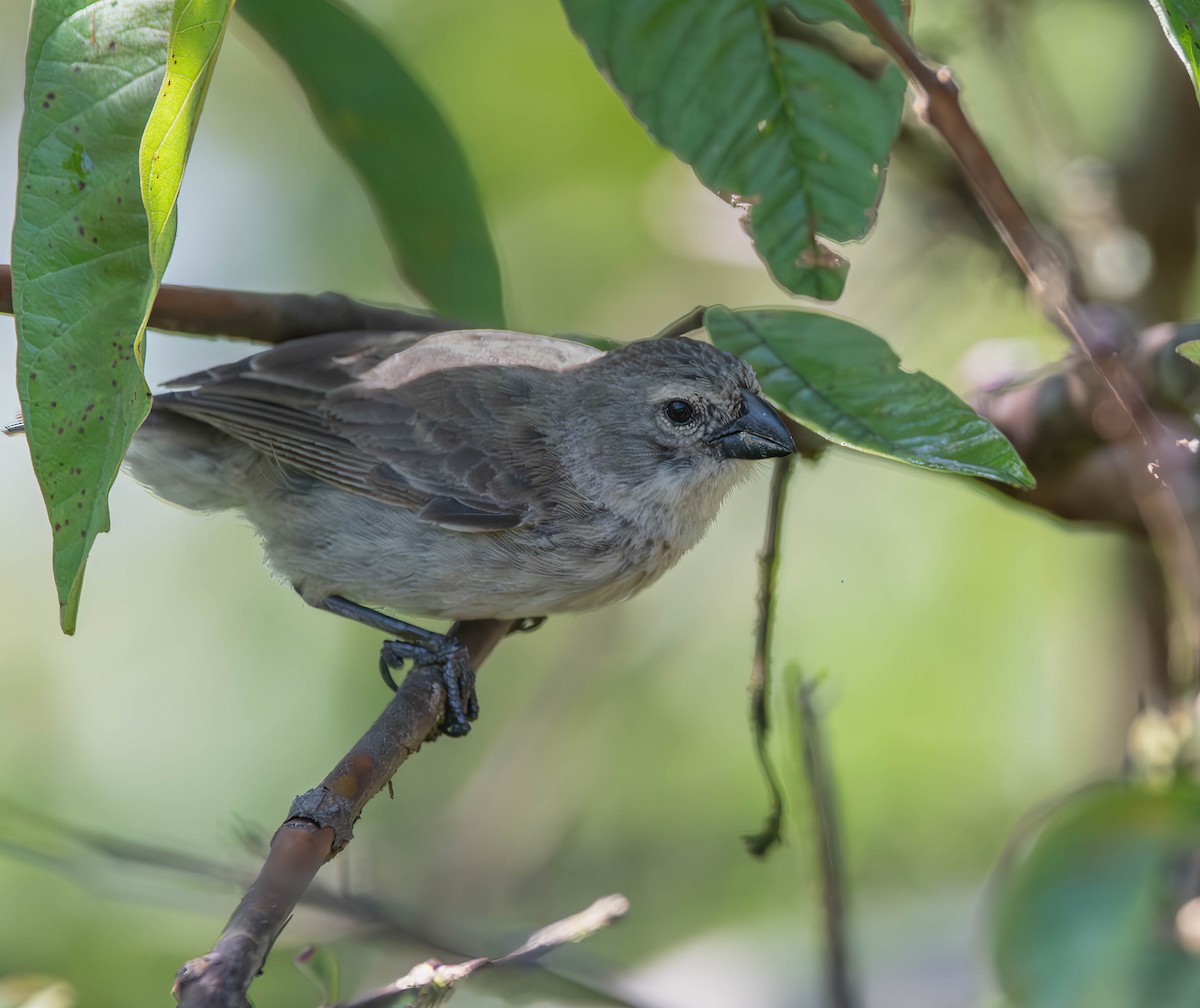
<point>431,444</point>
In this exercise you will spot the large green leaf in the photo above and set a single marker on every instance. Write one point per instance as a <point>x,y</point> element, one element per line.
<point>392,134</point>
<point>197,28</point>
<point>782,126</point>
<point>1084,917</point>
<point>1179,20</point>
<point>847,385</point>
<point>82,276</point>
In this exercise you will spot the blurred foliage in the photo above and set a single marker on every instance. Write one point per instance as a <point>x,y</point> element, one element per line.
<point>1086,915</point>
<point>377,116</point>
<point>975,655</point>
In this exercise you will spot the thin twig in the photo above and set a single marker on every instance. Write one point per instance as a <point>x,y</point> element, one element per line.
<point>318,827</point>
<point>760,669</point>
<point>1044,264</point>
<point>433,982</point>
<point>1097,334</point>
<point>688,322</point>
<point>840,982</point>
<point>937,104</point>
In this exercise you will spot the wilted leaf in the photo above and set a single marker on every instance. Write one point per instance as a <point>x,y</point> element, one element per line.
<point>847,385</point>
<point>785,127</point>
<point>82,276</point>
<point>395,138</point>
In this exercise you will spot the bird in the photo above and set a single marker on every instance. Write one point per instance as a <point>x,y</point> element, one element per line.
<point>467,474</point>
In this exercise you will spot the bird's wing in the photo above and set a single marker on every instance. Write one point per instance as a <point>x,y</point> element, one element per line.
<point>320,363</point>
<point>434,428</point>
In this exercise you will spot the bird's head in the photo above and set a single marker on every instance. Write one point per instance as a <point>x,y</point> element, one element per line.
<point>673,421</point>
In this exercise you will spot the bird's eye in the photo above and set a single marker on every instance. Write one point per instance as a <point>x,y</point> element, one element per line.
<point>679,412</point>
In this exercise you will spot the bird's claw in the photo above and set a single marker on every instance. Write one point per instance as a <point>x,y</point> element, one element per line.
<point>453,665</point>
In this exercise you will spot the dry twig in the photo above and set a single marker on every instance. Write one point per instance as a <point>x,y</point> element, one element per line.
<point>432,982</point>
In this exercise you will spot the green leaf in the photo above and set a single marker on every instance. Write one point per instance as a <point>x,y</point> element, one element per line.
<point>784,127</point>
<point>1179,19</point>
<point>394,137</point>
<point>197,28</point>
<point>1190,350</point>
<point>847,385</point>
<point>82,276</point>
<point>1084,916</point>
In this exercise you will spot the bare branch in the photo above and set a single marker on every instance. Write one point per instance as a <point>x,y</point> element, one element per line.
<point>265,318</point>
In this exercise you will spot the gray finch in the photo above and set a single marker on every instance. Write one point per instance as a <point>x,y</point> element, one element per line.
<point>464,475</point>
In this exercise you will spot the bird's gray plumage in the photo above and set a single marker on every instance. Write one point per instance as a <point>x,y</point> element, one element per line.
<point>470,474</point>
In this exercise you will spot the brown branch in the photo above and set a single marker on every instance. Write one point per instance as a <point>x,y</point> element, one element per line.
<point>937,103</point>
<point>266,318</point>
<point>319,826</point>
<point>1086,473</point>
<point>1097,335</point>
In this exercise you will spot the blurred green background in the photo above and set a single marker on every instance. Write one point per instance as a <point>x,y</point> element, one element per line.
<point>973,653</point>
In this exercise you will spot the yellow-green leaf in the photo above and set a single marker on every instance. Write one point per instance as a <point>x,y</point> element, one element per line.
<point>83,280</point>
<point>197,28</point>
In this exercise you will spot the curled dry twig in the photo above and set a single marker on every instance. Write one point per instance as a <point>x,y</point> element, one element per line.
<point>432,983</point>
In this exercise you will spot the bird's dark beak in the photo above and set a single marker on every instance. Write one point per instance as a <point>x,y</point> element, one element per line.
<point>756,434</point>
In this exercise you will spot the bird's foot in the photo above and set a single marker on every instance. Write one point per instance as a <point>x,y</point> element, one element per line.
<point>419,648</point>
<point>453,663</point>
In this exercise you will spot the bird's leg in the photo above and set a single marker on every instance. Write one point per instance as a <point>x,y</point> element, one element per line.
<point>420,647</point>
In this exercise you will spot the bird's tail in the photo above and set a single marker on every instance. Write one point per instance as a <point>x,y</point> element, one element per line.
<point>189,463</point>
<point>182,461</point>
